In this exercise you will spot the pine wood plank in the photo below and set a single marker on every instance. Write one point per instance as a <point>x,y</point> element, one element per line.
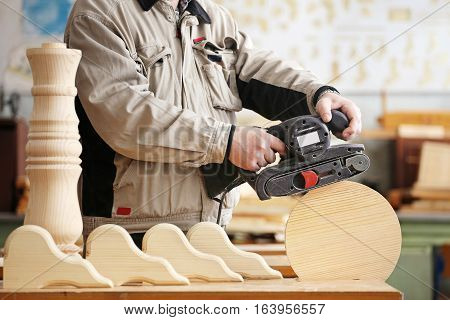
<point>113,253</point>
<point>32,260</point>
<point>168,241</point>
<point>343,231</point>
<point>210,238</point>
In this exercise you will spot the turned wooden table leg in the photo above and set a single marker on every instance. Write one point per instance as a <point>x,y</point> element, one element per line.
<point>53,150</point>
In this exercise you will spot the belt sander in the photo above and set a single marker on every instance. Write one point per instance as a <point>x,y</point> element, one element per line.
<point>310,162</point>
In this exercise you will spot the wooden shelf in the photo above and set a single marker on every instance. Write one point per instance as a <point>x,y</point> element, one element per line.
<point>284,289</point>
<point>387,134</point>
<point>379,134</point>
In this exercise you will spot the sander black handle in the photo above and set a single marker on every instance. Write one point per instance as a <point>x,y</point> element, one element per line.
<point>339,122</point>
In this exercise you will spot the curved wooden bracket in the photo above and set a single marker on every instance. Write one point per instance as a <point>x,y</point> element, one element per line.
<point>210,238</point>
<point>32,260</point>
<point>168,241</point>
<point>112,251</point>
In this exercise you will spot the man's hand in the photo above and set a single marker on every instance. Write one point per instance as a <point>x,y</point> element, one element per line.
<point>254,148</point>
<point>330,101</point>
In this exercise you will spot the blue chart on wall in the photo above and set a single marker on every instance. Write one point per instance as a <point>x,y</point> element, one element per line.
<point>45,17</point>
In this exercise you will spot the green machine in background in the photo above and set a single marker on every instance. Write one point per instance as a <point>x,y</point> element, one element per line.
<point>417,272</point>
<point>8,222</point>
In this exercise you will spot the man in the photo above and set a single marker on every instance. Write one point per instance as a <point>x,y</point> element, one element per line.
<point>159,85</point>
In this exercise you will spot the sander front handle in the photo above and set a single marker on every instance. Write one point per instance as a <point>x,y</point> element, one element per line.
<point>339,122</point>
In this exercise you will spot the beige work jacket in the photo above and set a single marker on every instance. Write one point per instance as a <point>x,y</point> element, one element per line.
<point>157,100</point>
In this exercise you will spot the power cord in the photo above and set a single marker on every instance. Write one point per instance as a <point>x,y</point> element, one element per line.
<point>238,181</point>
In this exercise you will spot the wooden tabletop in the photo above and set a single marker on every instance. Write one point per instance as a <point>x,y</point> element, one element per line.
<point>266,249</point>
<point>283,289</point>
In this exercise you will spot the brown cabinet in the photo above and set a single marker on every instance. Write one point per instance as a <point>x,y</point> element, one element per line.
<point>13,138</point>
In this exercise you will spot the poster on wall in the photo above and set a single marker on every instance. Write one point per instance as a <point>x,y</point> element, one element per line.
<point>364,45</point>
<point>45,17</point>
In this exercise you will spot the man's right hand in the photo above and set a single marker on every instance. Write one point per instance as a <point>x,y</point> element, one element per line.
<point>254,148</point>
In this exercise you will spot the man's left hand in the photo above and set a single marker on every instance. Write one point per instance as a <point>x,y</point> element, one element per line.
<point>331,101</point>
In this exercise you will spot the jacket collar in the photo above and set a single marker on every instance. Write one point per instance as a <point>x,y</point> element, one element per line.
<point>194,7</point>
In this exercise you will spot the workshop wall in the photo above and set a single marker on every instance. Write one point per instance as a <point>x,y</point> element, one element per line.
<point>361,47</point>
<point>27,23</point>
<point>368,45</point>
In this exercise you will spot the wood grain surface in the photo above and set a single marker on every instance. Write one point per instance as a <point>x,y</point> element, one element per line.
<point>280,289</point>
<point>53,149</point>
<point>32,260</point>
<point>113,253</point>
<point>210,238</point>
<point>168,241</point>
<point>343,231</point>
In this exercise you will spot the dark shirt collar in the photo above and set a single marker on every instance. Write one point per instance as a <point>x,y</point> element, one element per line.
<point>194,7</point>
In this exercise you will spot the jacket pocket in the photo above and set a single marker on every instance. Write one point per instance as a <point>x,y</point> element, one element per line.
<point>219,88</point>
<point>218,72</point>
<point>125,171</point>
<point>160,71</point>
<point>158,190</point>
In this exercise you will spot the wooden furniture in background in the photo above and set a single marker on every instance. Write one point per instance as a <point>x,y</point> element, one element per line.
<point>432,188</point>
<point>407,160</point>
<point>254,219</point>
<point>392,120</point>
<point>113,253</point>
<point>32,260</point>
<point>210,238</point>
<point>13,137</point>
<point>23,192</point>
<point>281,289</point>
<point>434,169</point>
<point>281,263</point>
<point>168,241</point>
<point>267,249</point>
<point>53,149</point>
<point>343,231</point>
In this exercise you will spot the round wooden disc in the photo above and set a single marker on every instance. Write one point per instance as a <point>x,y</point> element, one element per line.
<point>343,231</point>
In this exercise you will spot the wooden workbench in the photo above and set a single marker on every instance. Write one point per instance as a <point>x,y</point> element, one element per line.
<point>264,289</point>
<point>284,289</point>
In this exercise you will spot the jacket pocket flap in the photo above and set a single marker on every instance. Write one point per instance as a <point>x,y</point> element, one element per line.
<point>165,52</point>
<point>151,55</point>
